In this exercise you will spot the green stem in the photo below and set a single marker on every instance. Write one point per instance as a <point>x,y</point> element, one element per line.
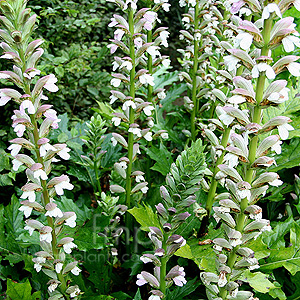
<point>131,119</point>
<point>194,73</point>
<point>163,268</point>
<point>256,118</point>
<point>97,175</point>
<point>45,198</point>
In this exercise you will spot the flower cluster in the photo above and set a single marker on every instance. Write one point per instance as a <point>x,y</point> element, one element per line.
<point>250,140</point>
<point>179,194</point>
<point>131,36</point>
<point>32,122</point>
<point>202,22</point>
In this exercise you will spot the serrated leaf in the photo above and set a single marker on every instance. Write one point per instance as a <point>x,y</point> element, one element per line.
<point>258,281</point>
<point>162,157</point>
<point>21,291</point>
<point>185,252</point>
<point>83,213</point>
<point>289,157</point>
<point>181,292</point>
<point>145,216</point>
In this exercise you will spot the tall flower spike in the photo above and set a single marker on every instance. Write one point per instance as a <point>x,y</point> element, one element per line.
<point>241,218</point>
<point>32,122</point>
<point>136,37</point>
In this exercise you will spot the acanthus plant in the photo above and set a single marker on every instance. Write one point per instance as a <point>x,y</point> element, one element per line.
<point>251,141</point>
<point>129,36</point>
<point>178,196</point>
<point>202,24</point>
<point>32,123</point>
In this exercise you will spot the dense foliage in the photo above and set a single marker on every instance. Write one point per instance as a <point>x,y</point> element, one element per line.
<point>167,166</point>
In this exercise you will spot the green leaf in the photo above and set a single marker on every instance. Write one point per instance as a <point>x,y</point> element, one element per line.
<point>288,109</point>
<point>185,252</point>
<point>83,213</point>
<point>4,161</point>
<point>287,257</point>
<point>289,157</point>
<point>145,216</point>
<point>21,291</point>
<point>138,295</point>
<point>181,292</point>
<point>162,157</point>
<point>258,281</point>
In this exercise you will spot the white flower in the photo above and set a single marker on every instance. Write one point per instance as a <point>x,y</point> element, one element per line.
<point>231,62</point>
<point>64,153</point>
<point>153,51</point>
<point>289,42</point>
<point>19,129</point>
<point>59,188</point>
<point>40,174</point>
<point>27,210</point>
<point>58,267</point>
<point>127,104</point>
<point>147,79</point>
<point>50,84</point>
<point>144,189</point>
<point>180,280</point>
<point>148,136</point>
<point>68,247</point>
<point>71,222</point>
<point>52,287</point>
<point>154,297</point>
<point>56,212</point>
<point>141,280</point>
<point>123,164</point>
<point>75,271</point>
<point>136,131</point>
<point>284,130</point>
<point>280,97</point>
<point>75,293</point>
<point>139,178</point>
<point>27,104</point>
<point>276,182</point>
<point>263,67</point>
<point>222,279</point>
<point>244,40</point>
<point>270,8</point>
<point>116,121</point>
<point>148,110</point>
<point>112,99</point>
<point>223,116</point>
<point>277,147</point>
<point>145,259</point>
<point>38,263</point>
<point>161,95</point>
<point>164,135</point>
<point>115,82</point>
<point>30,229</point>
<point>236,99</point>
<point>15,149</point>
<point>294,68</point>
<point>44,148</point>
<point>47,237</point>
<point>231,159</point>
<point>114,141</point>
<point>118,34</point>
<point>126,64</point>
<point>166,62</point>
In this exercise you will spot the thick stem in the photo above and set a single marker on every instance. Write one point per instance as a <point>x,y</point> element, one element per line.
<point>131,118</point>
<point>194,73</point>
<point>249,176</point>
